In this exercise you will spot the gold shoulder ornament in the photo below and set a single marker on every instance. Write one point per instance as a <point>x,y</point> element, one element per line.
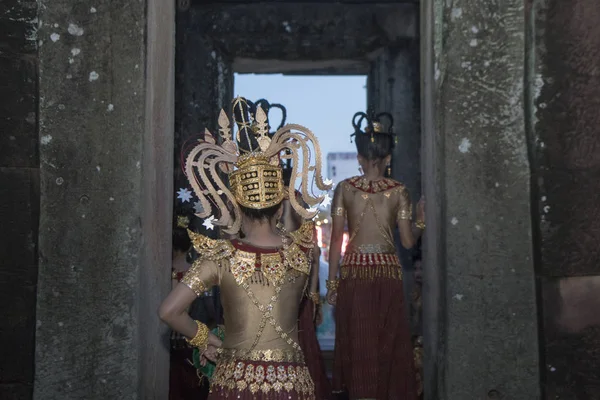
<point>211,249</point>
<point>304,236</point>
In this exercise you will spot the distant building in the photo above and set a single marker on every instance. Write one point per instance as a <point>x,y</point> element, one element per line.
<point>341,166</point>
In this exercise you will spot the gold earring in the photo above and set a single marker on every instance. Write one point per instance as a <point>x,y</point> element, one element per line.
<point>389,170</point>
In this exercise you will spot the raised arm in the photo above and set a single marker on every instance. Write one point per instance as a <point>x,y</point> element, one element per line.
<point>338,219</point>
<point>173,311</point>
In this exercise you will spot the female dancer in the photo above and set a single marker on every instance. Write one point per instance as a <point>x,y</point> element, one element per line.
<point>304,232</point>
<point>263,276</point>
<point>373,356</point>
<point>291,223</point>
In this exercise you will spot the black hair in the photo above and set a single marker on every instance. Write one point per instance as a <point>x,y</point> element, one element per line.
<point>370,144</point>
<point>247,140</point>
<point>262,214</point>
<point>374,147</point>
<point>181,240</point>
<point>286,174</point>
<point>266,107</point>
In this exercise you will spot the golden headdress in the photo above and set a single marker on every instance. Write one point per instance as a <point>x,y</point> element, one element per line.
<point>252,162</point>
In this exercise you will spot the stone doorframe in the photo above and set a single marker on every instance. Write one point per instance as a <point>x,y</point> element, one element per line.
<point>478,312</point>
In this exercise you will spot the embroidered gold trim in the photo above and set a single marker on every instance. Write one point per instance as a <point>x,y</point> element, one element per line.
<point>373,186</point>
<point>211,249</point>
<point>371,249</point>
<point>234,377</point>
<point>304,235</point>
<point>370,266</point>
<point>275,355</point>
<point>272,268</point>
<point>295,258</point>
<point>243,265</point>
<point>193,281</point>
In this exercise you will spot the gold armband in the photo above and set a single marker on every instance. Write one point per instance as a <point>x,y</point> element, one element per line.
<point>420,225</point>
<point>201,339</point>
<point>337,212</point>
<point>315,297</point>
<point>332,284</point>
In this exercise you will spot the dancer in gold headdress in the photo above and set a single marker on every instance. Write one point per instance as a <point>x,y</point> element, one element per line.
<point>373,351</point>
<point>263,276</point>
<point>303,231</point>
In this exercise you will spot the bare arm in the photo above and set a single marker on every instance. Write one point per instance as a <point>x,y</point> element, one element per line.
<point>338,220</point>
<point>409,234</point>
<point>173,310</point>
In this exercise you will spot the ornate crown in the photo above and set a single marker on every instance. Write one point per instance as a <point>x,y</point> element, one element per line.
<point>252,163</point>
<point>374,124</point>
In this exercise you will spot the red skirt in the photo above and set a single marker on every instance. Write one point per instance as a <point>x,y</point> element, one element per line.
<point>262,378</point>
<point>373,350</point>
<point>307,338</point>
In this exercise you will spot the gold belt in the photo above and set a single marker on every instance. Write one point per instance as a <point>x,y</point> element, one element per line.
<point>370,259</point>
<point>276,355</point>
<point>371,249</point>
<point>370,266</point>
<point>236,376</point>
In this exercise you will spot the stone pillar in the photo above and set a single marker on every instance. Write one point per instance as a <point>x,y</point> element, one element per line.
<point>204,82</point>
<point>481,275</point>
<point>564,101</point>
<point>393,86</point>
<point>19,196</point>
<point>106,94</point>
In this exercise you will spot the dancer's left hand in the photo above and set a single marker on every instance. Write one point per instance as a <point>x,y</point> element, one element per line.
<point>210,354</point>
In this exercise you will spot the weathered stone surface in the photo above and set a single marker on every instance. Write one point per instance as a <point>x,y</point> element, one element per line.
<point>204,86</point>
<point>566,101</point>
<point>488,345</point>
<point>19,196</point>
<point>565,98</point>
<point>19,191</point>
<point>104,244</point>
<point>295,32</point>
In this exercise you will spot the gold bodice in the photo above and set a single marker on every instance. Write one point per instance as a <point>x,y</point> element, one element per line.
<point>261,290</point>
<point>372,210</point>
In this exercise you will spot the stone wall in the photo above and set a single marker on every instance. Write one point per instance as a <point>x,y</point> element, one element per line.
<point>564,101</point>
<point>486,315</point>
<point>106,158</point>
<point>19,195</point>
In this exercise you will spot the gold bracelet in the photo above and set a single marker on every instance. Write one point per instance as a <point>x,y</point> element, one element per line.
<point>201,339</point>
<point>420,225</point>
<point>332,284</point>
<point>315,297</point>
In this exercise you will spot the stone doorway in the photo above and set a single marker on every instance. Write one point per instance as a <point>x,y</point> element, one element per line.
<point>88,172</point>
<point>378,40</point>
